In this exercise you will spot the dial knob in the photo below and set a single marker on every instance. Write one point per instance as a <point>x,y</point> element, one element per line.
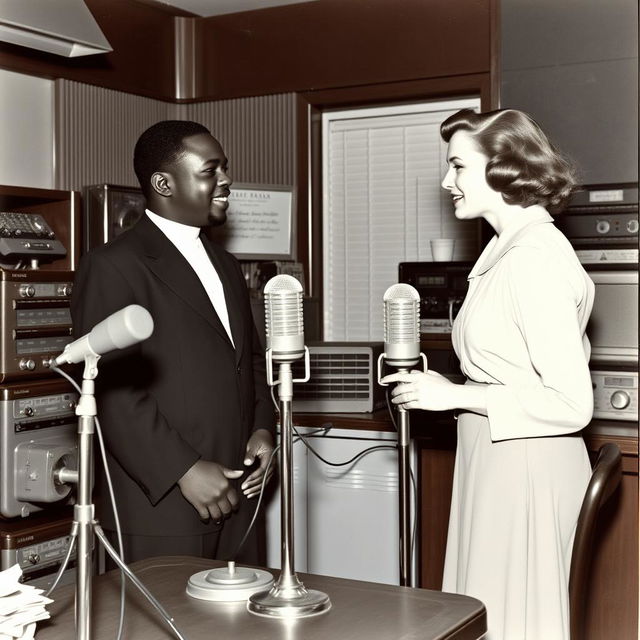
<point>26,364</point>
<point>34,558</point>
<point>632,226</point>
<point>620,400</point>
<point>603,226</point>
<point>28,411</point>
<point>64,290</point>
<point>27,290</point>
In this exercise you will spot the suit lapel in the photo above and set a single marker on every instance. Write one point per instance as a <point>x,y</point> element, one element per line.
<point>169,265</point>
<point>231,295</point>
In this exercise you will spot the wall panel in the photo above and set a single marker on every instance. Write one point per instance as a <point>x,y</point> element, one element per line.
<point>96,130</point>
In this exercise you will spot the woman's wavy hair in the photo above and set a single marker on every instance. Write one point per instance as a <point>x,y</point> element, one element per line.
<point>523,165</point>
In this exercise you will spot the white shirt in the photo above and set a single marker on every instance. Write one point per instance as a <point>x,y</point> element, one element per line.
<point>187,241</point>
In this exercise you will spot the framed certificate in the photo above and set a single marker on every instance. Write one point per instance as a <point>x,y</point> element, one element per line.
<point>260,222</point>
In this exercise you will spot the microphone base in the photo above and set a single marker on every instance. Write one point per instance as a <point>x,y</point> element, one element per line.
<point>294,601</point>
<point>224,585</point>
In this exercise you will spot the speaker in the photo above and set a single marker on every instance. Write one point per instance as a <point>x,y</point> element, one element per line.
<point>108,211</point>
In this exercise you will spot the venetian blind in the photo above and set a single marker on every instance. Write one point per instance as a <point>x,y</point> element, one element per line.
<point>382,203</point>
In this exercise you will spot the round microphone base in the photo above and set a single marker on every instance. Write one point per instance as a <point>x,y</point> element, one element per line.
<point>292,602</point>
<point>228,584</point>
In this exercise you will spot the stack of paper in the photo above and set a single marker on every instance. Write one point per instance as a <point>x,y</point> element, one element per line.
<point>21,606</point>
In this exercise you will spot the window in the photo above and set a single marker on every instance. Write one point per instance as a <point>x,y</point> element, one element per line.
<point>382,203</point>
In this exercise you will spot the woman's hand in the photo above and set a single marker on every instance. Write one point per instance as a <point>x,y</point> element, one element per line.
<point>433,392</point>
<point>429,391</point>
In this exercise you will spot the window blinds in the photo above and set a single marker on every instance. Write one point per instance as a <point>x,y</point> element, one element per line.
<point>382,203</point>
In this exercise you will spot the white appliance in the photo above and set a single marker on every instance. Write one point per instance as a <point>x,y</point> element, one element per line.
<point>346,518</point>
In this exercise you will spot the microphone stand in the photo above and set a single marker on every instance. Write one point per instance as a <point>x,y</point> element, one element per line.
<point>288,598</point>
<point>404,482</point>
<point>404,497</point>
<point>84,522</point>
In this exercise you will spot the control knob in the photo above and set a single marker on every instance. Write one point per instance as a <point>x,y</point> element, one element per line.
<point>26,364</point>
<point>33,558</point>
<point>603,226</point>
<point>64,290</point>
<point>27,290</point>
<point>620,399</point>
<point>28,411</point>
<point>632,226</point>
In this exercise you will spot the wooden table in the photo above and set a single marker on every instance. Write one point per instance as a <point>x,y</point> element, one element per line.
<point>360,610</point>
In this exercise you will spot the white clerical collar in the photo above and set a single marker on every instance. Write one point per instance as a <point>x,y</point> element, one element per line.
<point>177,232</point>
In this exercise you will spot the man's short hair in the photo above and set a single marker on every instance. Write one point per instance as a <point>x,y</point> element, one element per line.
<point>160,146</point>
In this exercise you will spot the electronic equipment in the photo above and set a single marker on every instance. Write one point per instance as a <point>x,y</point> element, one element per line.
<point>442,287</point>
<point>613,325</point>
<point>35,320</point>
<point>270,269</point>
<point>615,394</point>
<point>343,378</point>
<point>38,429</point>
<point>28,235</point>
<point>601,223</point>
<point>109,210</point>
<point>39,546</point>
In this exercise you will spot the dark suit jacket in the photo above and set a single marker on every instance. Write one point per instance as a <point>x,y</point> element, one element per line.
<point>183,394</point>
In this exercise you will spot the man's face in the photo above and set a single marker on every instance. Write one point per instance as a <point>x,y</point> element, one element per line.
<point>199,183</point>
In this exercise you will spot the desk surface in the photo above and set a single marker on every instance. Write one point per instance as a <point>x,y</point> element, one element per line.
<point>360,610</point>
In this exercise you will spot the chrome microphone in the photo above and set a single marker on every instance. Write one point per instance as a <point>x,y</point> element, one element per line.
<point>402,326</point>
<point>284,324</point>
<point>401,329</point>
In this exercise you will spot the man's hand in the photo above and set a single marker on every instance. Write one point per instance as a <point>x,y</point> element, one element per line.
<point>206,486</point>
<point>260,445</point>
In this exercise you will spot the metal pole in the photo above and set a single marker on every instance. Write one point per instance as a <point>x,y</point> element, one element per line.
<point>404,497</point>
<point>83,510</point>
<point>288,598</point>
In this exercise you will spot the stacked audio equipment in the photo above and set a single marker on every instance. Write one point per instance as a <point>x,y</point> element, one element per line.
<point>39,251</point>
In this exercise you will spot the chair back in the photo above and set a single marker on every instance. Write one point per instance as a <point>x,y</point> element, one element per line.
<point>605,479</point>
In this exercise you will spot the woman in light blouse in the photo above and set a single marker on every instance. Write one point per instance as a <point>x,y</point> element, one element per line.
<point>521,464</point>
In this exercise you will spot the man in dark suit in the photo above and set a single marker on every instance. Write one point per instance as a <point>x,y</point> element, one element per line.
<point>186,412</point>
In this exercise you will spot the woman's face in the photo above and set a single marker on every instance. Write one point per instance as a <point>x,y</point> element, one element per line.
<point>466,181</point>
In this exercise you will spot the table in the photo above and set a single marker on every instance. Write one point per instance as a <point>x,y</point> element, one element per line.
<point>360,610</point>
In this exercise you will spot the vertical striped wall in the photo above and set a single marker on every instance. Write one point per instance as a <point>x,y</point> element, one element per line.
<point>257,135</point>
<point>96,130</point>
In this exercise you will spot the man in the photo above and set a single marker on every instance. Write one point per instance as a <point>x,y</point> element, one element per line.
<point>185,412</point>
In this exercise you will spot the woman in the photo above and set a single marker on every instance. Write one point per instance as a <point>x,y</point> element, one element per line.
<point>521,465</point>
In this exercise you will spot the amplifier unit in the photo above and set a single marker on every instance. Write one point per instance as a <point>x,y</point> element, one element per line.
<point>35,320</point>
<point>39,545</point>
<point>343,378</point>
<point>38,428</point>
<point>108,211</point>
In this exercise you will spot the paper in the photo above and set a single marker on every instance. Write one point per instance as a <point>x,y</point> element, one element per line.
<point>21,606</point>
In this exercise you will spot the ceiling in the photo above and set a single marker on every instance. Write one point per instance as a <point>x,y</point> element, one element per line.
<point>206,8</point>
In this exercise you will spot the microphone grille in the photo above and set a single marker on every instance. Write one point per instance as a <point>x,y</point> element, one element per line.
<point>283,307</point>
<point>401,314</point>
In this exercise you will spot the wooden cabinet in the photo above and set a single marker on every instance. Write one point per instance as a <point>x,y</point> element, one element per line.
<point>60,209</point>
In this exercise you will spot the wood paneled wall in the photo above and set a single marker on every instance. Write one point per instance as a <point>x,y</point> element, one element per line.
<point>299,47</point>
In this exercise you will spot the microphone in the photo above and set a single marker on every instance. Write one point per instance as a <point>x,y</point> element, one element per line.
<point>118,331</point>
<point>284,327</point>
<point>402,326</point>
<point>284,323</point>
<point>402,351</point>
